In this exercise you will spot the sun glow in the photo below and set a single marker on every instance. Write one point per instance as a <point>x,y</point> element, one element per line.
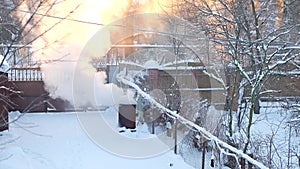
<point>70,35</point>
<point>63,31</point>
<point>76,21</point>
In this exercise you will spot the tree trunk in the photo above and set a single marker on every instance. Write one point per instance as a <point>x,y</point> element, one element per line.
<point>256,106</point>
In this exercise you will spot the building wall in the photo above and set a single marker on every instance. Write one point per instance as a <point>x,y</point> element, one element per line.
<point>32,97</point>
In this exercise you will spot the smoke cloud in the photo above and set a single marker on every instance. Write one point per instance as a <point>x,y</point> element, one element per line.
<point>59,51</point>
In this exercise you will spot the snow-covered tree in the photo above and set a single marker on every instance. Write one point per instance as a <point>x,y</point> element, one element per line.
<point>254,38</point>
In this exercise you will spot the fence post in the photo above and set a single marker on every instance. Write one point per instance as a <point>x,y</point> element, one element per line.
<point>4,123</point>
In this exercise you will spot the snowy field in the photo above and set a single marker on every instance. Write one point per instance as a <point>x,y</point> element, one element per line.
<point>57,141</point>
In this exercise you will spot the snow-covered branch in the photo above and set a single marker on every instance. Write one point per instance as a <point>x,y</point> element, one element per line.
<point>282,62</point>
<point>10,90</point>
<point>202,130</point>
<point>218,79</point>
<point>241,69</point>
<point>269,91</point>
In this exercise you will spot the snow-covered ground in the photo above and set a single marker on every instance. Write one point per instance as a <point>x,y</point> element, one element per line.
<point>57,141</point>
<point>274,137</point>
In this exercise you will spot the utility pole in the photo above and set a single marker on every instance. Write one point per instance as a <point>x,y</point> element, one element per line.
<point>175,137</point>
<point>203,152</point>
<point>289,145</point>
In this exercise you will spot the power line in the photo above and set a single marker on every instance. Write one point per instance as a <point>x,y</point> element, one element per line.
<point>63,18</point>
<point>102,24</point>
<point>51,16</point>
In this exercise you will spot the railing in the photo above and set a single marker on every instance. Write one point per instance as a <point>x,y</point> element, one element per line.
<point>25,74</point>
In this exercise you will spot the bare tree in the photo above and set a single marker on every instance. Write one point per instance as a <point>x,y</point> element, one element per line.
<point>20,22</point>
